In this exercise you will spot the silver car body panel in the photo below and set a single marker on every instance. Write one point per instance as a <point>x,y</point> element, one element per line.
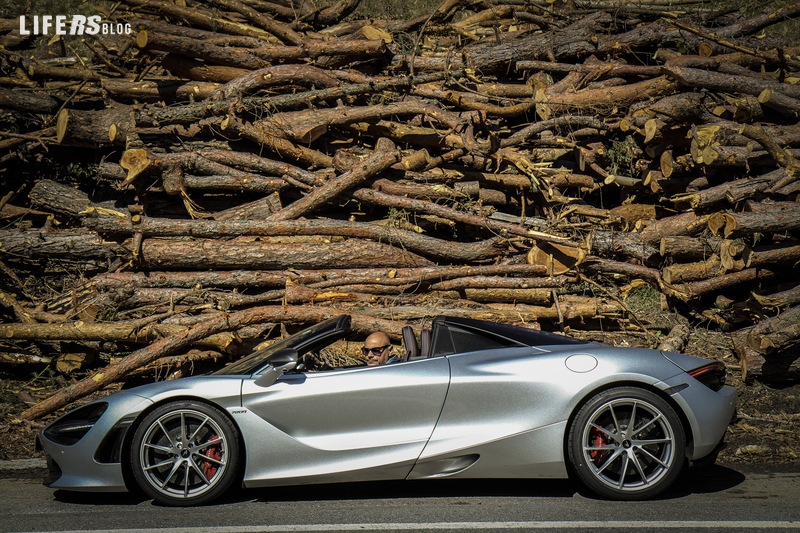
<point>80,469</point>
<point>353,424</point>
<point>525,398</point>
<point>708,413</point>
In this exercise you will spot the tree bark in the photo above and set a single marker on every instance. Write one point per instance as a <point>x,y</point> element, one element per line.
<point>27,102</point>
<point>93,129</point>
<point>242,253</point>
<point>169,91</point>
<point>688,223</point>
<point>76,245</point>
<point>733,225</point>
<point>676,340</point>
<point>59,198</point>
<point>621,244</point>
<point>388,200</point>
<point>120,331</point>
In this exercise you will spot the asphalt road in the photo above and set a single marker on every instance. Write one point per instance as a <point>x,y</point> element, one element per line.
<point>720,499</point>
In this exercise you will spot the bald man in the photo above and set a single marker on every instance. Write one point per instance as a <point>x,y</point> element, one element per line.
<point>377,349</point>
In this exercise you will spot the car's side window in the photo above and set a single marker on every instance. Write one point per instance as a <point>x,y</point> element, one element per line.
<point>465,340</point>
<point>451,339</point>
<point>340,354</point>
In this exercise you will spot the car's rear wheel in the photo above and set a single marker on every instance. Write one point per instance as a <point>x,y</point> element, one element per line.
<point>627,443</point>
<point>185,453</point>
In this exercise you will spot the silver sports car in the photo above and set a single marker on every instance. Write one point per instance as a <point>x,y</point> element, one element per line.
<point>472,399</point>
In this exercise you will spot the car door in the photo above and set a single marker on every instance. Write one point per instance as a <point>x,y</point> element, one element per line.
<point>351,424</point>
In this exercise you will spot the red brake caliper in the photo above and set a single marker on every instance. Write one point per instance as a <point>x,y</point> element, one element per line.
<point>213,452</point>
<point>598,439</point>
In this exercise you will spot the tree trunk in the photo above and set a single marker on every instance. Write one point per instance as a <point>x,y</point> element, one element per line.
<point>732,225</point>
<point>58,198</point>
<point>613,244</point>
<point>158,91</point>
<point>93,129</point>
<point>676,340</point>
<point>242,253</point>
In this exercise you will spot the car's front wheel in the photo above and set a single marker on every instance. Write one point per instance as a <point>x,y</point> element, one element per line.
<point>185,453</point>
<point>627,443</point>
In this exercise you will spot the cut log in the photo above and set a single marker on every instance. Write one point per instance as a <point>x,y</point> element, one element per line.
<point>169,91</point>
<point>256,210</point>
<point>388,200</point>
<point>120,331</point>
<point>783,298</point>
<point>618,245</point>
<point>733,225</point>
<point>704,79</point>
<point>243,253</point>
<point>58,198</point>
<point>772,255</point>
<point>473,282</point>
<point>27,102</point>
<point>683,272</point>
<point>306,75</point>
<point>682,248</point>
<point>314,278</point>
<point>201,17</point>
<point>277,144</point>
<point>676,340</point>
<point>499,295</point>
<point>695,289</point>
<point>777,369</point>
<point>72,245</point>
<point>93,129</point>
<point>584,309</point>
<point>489,57</point>
<point>252,55</point>
<point>689,223</point>
<point>192,69</point>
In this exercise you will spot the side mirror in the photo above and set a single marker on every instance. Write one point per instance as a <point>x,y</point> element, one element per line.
<point>281,362</point>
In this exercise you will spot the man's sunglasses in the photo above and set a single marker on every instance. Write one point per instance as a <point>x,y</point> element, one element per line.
<point>374,351</point>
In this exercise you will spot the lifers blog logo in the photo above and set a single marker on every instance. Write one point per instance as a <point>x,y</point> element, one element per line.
<point>70,25</point>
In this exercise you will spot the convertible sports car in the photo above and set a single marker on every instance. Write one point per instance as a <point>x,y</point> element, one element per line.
<point>473,399</point>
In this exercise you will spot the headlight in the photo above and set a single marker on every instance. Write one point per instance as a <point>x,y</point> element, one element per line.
<point>71,427</point>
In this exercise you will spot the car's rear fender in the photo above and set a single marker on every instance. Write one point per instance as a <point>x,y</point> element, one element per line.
<point>644,385</point>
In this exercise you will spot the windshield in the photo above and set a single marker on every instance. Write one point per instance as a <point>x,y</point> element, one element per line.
<point>299,341</point>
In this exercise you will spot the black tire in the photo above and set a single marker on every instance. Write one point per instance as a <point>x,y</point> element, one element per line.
<point>617,463</point>
<point>185,453</point>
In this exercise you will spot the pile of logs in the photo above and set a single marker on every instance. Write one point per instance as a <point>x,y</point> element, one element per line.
<point>232,165</point>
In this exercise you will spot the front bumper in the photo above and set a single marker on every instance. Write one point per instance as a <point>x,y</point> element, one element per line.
<point>93,462</point>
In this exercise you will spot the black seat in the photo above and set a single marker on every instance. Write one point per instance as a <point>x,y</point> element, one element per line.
<point>425,343</point>
<point>410,342</point>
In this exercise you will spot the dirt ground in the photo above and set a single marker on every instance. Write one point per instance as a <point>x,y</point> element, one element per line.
<point>766,432</point>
